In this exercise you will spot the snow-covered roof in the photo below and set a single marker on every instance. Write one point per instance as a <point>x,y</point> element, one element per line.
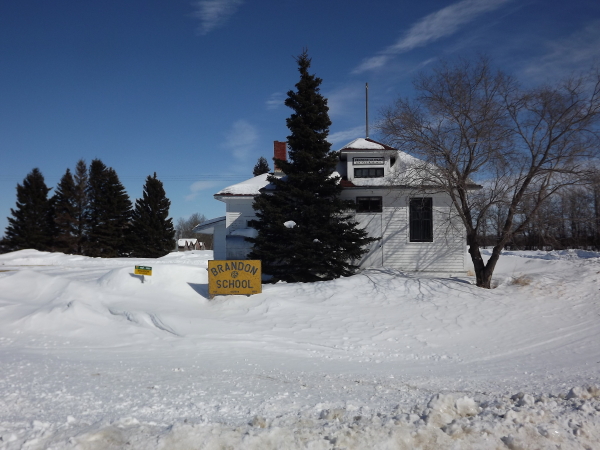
<point>245,232</point>
<point>207,227</point>
<point>406,170</point>
<point>248,187</point>
<point>184,242</point>
<point>366,144</point>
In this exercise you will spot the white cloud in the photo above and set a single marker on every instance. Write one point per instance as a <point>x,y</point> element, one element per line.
<point>241,139</point>
<point>578,52</point>
<point>198,186</point>
<point>439,24</point>
<point>339,99</point>
<point>346,136</point>
<point>214,13</point>
<point>275,100</point>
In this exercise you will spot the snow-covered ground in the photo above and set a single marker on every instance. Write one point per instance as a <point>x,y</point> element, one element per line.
<point>92,358</point>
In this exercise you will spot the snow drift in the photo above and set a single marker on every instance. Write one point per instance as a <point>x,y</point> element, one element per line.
<point>92,357</point>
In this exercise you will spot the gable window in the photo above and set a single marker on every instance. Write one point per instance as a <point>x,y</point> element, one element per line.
<point>368,172</point>
<point>368,204</point>
<point>421,219</point>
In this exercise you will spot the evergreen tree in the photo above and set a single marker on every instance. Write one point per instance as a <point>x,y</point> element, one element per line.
<point>81,204</point>
<point>262,166</point>
<point>152,233</point>
<point>4,246</point>
<point>305,231</point>
<point>65,215</point>
<point>32,223</point>
<point>107,214</point>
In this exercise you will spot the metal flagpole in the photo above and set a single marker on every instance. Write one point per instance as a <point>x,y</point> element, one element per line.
<point>367,107</point>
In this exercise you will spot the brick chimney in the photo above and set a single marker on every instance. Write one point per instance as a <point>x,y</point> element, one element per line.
<point>280,152</point>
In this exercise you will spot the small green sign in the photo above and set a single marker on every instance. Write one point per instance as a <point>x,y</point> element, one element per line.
<point>143,270</point>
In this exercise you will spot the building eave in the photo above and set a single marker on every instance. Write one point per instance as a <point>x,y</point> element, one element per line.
<point>224,197</point>
<point>351,186</point>
<point>208,226</point>
<point>406,187</point>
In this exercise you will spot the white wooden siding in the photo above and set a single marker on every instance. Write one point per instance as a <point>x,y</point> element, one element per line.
<point>372,224</point>
<point>219,244</point>
<point>239,212</point>
<point>446,254</point>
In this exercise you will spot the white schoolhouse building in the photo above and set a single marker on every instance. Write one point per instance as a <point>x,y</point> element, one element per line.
<point>417,228</point>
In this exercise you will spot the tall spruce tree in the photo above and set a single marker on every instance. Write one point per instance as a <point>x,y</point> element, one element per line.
<point>31,224</point>
<point>152,233</point>
<point>305,231</point>
<point>65,214</point>
<point>108,213</point>
<point>261,166</point>
<point>81,204</point>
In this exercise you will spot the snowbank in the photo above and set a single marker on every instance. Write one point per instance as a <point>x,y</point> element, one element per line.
<point>93,358</point>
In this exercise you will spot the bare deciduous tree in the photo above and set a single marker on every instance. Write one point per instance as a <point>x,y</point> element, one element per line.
<point>471,124</point>
<point>184,229</point>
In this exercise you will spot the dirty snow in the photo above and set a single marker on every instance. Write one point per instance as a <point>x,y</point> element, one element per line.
<point>92,358</point>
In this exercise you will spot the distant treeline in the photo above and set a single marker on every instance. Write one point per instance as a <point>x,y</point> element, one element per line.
<point>569,219</point>
<point>90,214</point>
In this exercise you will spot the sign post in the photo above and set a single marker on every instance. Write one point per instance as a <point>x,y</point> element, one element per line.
<point>235,277</point>
<point>143,270</point>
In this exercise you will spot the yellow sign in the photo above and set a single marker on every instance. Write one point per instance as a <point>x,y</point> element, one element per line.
<point>234,277</point>
<point>143,270</point>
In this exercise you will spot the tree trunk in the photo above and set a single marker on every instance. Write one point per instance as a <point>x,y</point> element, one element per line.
<point>596,191</point>
<point>483,271</point>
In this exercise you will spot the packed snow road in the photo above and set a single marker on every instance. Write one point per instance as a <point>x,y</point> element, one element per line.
<point>91,358</point>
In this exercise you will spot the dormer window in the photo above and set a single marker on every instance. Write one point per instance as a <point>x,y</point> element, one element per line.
<point>368,172</point>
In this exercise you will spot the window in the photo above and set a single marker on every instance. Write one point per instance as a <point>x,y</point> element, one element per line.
<point>368,204</point>
<point>421,220</point>
<point>371,172</point>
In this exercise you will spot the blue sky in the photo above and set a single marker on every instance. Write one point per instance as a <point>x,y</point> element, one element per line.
<point>194,90</point>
